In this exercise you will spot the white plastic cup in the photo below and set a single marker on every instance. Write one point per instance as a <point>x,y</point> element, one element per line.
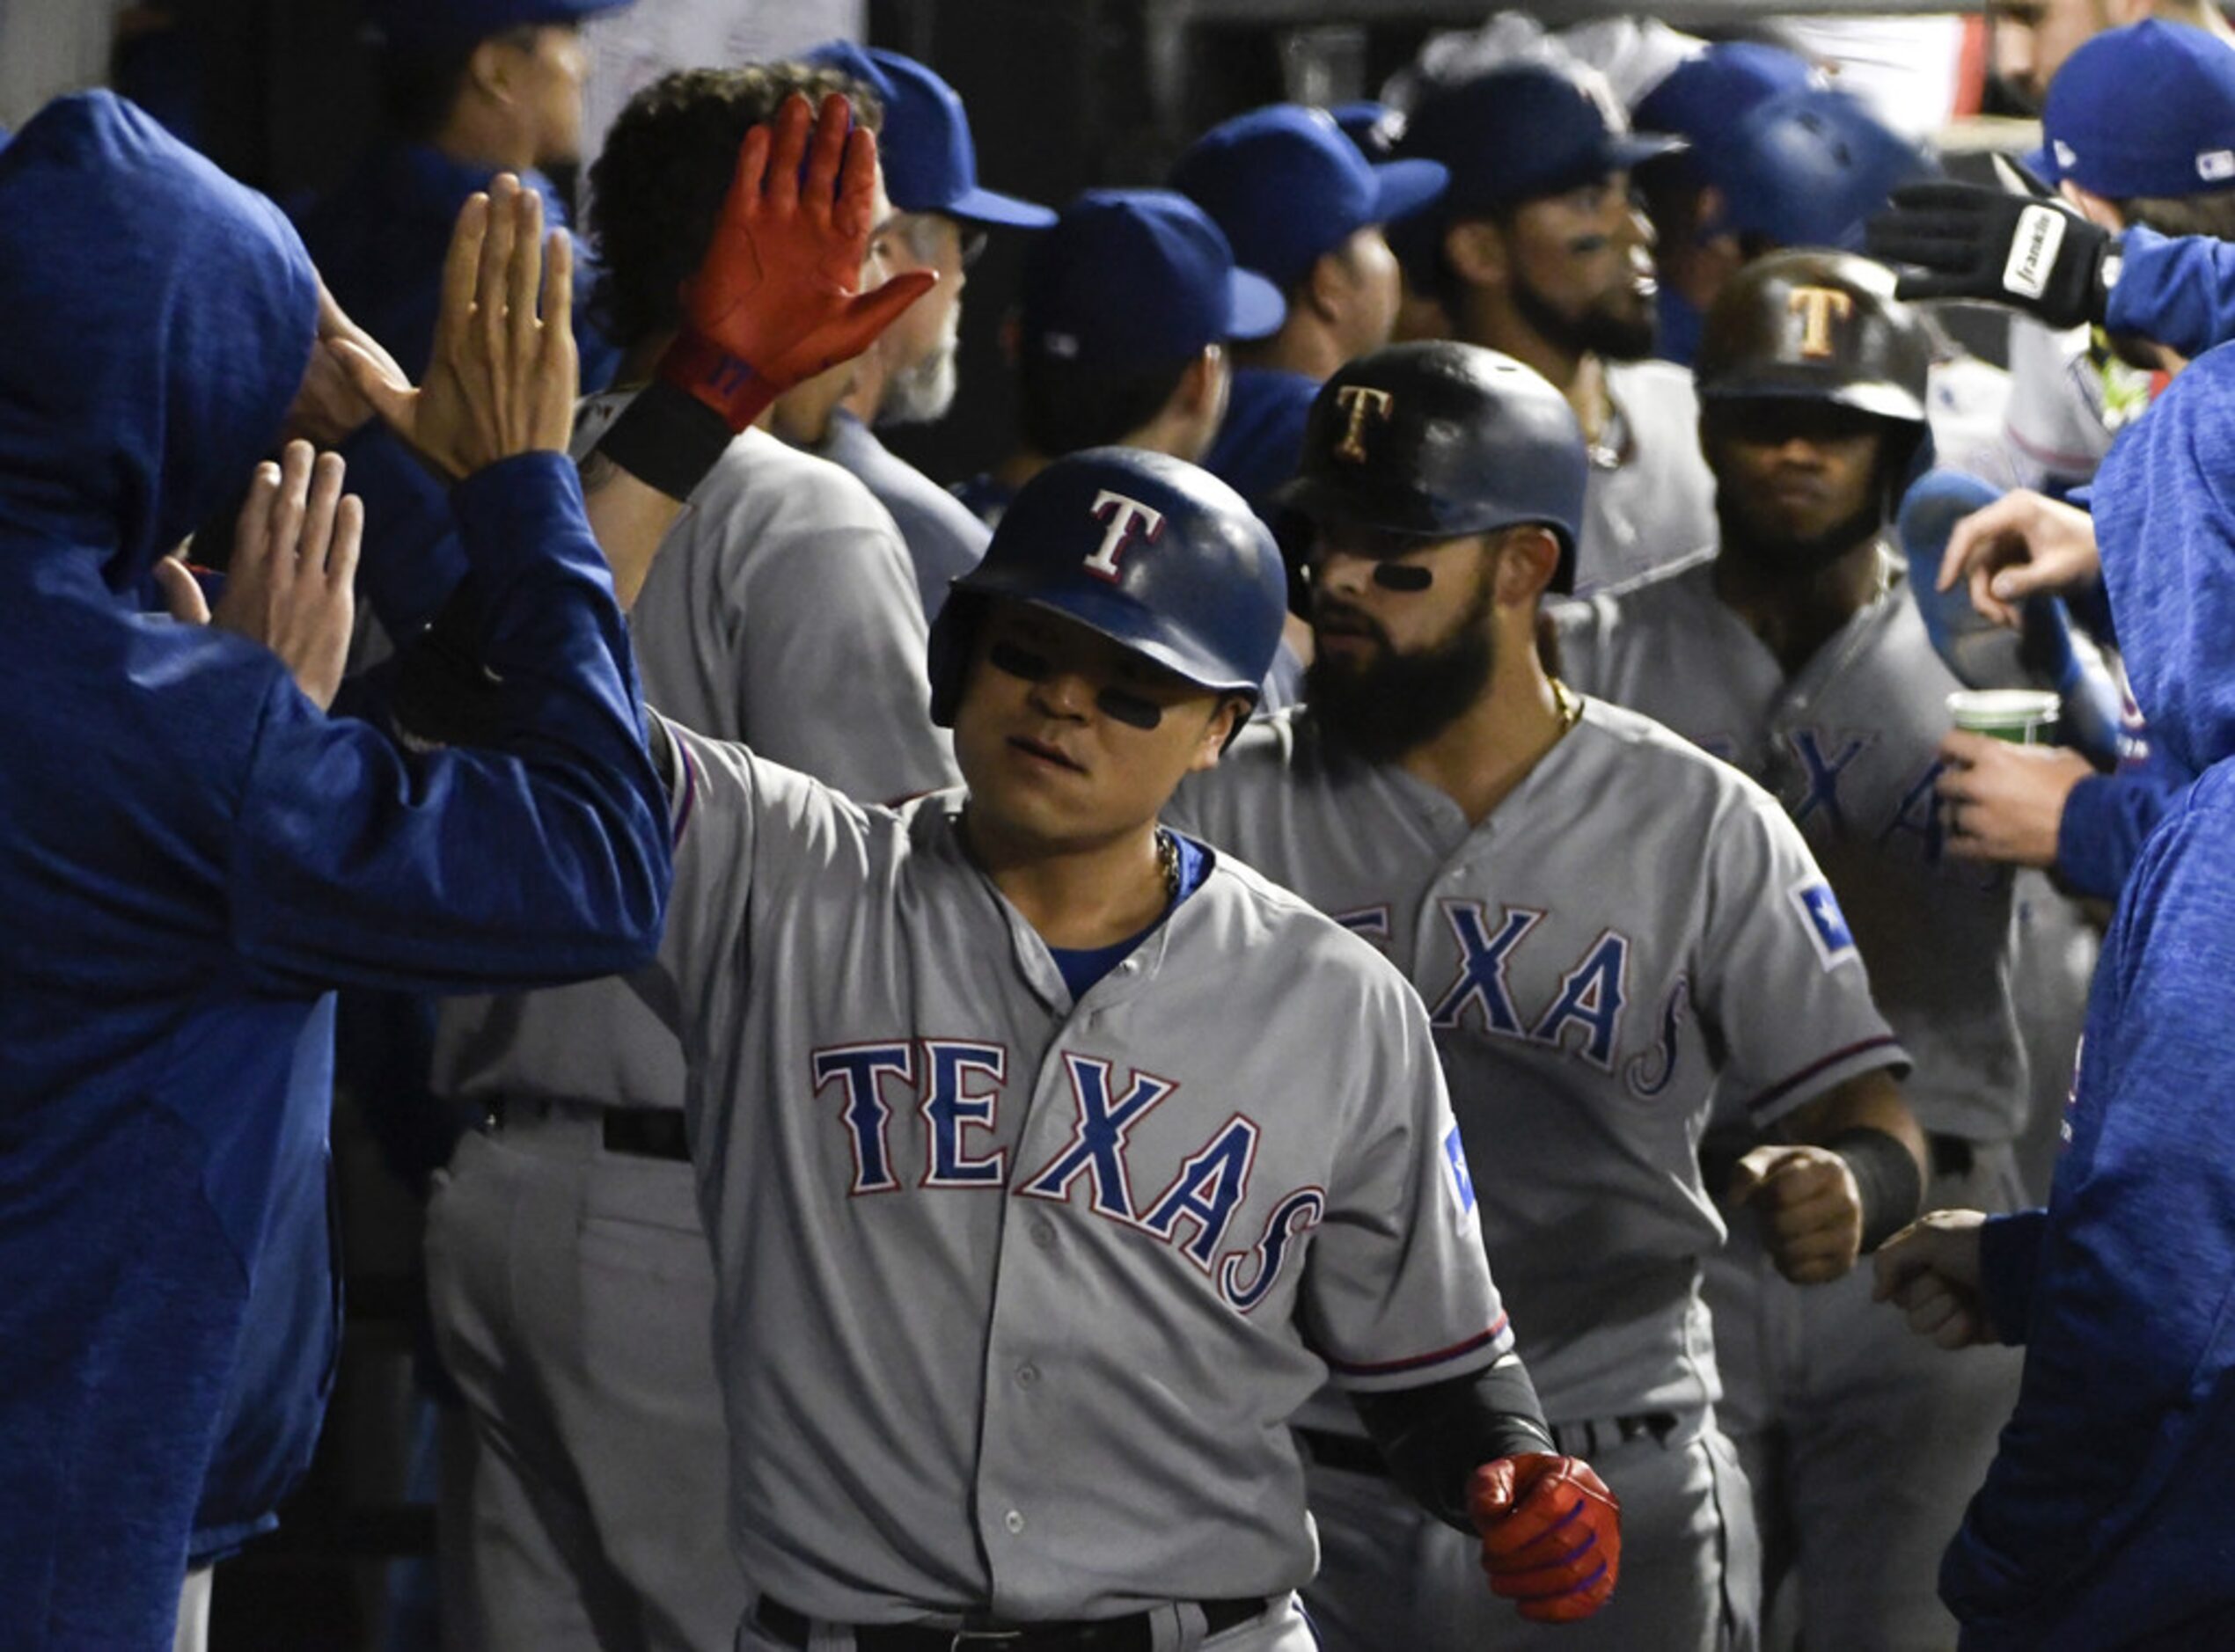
<point>2024,717</point>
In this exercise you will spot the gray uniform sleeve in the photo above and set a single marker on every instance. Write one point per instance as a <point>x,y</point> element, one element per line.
<point>1778,981</point>
<point>1397,1293</point>
<point>744,829</point>
<point>833,681</point>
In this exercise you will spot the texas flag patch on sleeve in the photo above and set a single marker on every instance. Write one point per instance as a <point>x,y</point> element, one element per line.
<point>1827,923</point>
<point>1459,1180</point>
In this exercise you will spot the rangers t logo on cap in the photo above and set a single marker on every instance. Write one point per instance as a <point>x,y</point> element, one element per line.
<point>1817,307</point>
<point>1127,519</point>
<point>1359,400</point>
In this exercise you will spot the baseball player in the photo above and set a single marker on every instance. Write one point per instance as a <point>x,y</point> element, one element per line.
<point>940,220</point>
<point>1796,655</point>
<point>195,851</point>
<point>1611,929</point>
<point>1052,1159</point>
<point>1537,251</point>
<point>781,608</point>
<point>1303,207</point>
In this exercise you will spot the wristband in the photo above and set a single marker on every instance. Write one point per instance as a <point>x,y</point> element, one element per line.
<point>1886,1179</point>
<point>710,375</point>
<point>667,439</point>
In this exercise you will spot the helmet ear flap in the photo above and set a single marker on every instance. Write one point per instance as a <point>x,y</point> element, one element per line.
<point>954,639</point>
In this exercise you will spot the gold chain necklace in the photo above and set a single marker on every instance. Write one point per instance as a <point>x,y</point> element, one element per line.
<point>1168,862</point>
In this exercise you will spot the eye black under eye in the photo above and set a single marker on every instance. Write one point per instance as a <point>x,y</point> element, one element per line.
<point>1402,576</point>
<point>1019,663</point>
<point>1121,705</point>
<point>1135,711</point>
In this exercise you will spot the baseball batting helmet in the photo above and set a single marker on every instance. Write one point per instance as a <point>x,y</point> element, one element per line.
<point>1436,439</point>
<point>1816,327</point>
<point>1808,167</point>
<point>1155,554</point>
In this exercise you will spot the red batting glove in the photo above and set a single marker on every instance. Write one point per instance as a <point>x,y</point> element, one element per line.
<point>776,299</point>
<point>1551,1534</point>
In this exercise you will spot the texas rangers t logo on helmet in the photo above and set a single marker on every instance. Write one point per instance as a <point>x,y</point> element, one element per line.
<point>1359,400</point>
<point>1817,306</point>
<point>1128,519</point>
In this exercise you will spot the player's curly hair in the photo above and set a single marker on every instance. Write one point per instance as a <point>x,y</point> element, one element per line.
<point>658,183</point>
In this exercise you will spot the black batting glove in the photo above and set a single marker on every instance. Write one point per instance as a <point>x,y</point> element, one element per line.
<point>1970,241</point>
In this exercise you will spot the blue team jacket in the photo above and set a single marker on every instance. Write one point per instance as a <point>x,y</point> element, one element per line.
<point>192,856</point>
<point>1261,441</point>
<point>2104,1520</point>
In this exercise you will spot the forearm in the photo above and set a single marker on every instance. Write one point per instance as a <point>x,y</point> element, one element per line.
<point>2175,290</point>
<point>1434,1437</point>
<point>1865,1121</point>
<point>630,517</point>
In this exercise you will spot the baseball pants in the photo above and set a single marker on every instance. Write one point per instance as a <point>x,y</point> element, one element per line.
<point>1392,1576</point>
<point>1863,1441</point>
<point>1178,1629</point>
<point>194,1613</point>
<point>573,1296</point>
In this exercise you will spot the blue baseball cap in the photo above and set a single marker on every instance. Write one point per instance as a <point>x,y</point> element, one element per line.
<point>930,164</point>
<point>1522,131</point>
<point>1710,92</point>
<point>1809,167</point>
<point>426,24</point>
<point>1374,127</point>
<point>2145,110</point>
<point>1139,276</point>
<point>1287,186</point>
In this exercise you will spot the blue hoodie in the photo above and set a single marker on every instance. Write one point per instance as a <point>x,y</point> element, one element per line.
<point>191,854</point>
<point>2104,1520</point>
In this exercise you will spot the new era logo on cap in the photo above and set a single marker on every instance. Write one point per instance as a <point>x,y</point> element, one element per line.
<point>2215,166</point>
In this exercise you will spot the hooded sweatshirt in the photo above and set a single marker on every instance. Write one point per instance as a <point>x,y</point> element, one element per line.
<point>191,854</point>
<point>2103,1521</point>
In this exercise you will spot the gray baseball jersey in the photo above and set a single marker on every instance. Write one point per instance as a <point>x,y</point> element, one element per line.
<point>1851,746</point>
<point>944,540</point>
<point>783,610</point>
<point>1650,500</point>
<point>1634,931</point>
<point>1015,1295</point>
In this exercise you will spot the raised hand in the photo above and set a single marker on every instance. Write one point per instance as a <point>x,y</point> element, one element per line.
<point>503,377</point>
<point>329,408</point>
<point>2008,245</point>
<point>777,298</point>
<point>294,556</point>
<point>1551,1534</point>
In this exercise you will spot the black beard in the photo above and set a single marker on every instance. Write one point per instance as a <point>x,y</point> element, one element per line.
<point>1379,711</point>
<point>1593,332</point>
<point>1790,554</point>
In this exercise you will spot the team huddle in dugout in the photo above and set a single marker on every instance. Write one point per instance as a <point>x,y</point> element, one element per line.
<point>1513,941</point>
